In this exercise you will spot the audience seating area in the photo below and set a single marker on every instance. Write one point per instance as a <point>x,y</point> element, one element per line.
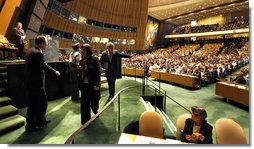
<point>212,27</point>
<point>209,61</point>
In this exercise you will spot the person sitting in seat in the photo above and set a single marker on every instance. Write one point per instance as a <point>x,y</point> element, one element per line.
<point>240,79</point>
<point>196,129</point>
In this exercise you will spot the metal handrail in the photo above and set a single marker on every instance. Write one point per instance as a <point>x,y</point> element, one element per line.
<point>165,92</point>
<point>70,140</point>
<point>168,96</point>
<point>155,84</point>
<point>160,92</point>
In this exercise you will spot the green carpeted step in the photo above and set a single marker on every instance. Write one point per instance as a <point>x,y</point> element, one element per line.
<point>7,111</point>
<point>11,123</point>
<point>3,91</point>
<point>4,101</point>
<point>3,83</point>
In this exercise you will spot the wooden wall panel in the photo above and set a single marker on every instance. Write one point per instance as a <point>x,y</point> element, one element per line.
<point>132,13</point>
<point>121,12</point>
<point>70,26</point>
<point>7,13</point>
<point>118,11</point>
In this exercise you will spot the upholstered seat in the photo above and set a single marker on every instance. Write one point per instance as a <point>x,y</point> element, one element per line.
<point>151,125</point>
<point>180,124</point>
<point>229,132</point>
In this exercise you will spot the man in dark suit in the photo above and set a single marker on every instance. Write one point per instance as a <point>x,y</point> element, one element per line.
<point>18,38</point>
<point>89,80</point>
<point>240,79</point>
<point>110,60</point>
<point>35,73</point>
<point>196,129</point>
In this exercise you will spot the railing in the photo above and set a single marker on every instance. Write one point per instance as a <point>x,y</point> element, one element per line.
<point>159,86</point>
<point>166,96</point>
<point>71,139</point>
<point>145,81</point>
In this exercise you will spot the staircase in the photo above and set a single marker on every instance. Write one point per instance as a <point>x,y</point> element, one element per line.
<point>9,117</point>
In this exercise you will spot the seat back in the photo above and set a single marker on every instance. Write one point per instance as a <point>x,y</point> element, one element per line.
<point>229,132</point>
<point>151,125</point>
<point>180,123</point>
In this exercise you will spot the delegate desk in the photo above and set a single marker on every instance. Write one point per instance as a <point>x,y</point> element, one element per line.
<point>133,72</point>
<point>181,79</point>
<point>126,138</point>
<point>236,92</point>
<point>160,75</point>
<point>185,80</point>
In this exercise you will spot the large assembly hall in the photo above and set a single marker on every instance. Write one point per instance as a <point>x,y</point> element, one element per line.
<point>113,72</point>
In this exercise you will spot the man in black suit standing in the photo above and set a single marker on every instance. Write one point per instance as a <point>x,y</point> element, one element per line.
<point>109,61</point>
<point>90,81</point>
<point>18,38</point>
<point>35,73</point>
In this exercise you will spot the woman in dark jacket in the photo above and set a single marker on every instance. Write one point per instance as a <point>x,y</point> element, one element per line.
<point>89,83</point>
<point>196,129</point>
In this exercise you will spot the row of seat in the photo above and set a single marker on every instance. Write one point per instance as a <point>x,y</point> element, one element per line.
<point>227,130</point>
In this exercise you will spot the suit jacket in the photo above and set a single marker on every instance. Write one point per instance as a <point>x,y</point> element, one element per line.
<point>205,129</point>
<point>91,69</point>
<point>17,36</point>
<point>240,80</point>
<point>35,70</point>
<point>113,67</point>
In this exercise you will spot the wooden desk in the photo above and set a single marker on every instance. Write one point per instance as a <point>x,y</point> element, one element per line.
<point>133,72</point>
<point>236,92</point>
<point>185,80</point>
<point>126,138</point>
<point>160,75</point>
<point>181,79</point>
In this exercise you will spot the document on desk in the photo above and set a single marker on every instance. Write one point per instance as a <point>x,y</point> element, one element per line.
<point>137,139</point>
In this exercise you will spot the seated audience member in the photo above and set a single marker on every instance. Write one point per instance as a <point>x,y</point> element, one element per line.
<point>239,79</point>
<point>196,129</point>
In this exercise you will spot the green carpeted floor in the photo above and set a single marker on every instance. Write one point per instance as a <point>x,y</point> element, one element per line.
<point>65,115</point>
